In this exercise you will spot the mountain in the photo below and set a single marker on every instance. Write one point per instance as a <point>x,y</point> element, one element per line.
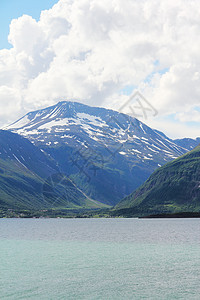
<point>106,153</point>
<point>188,143</point>
<point>30,179</point>
<point>175,187</point>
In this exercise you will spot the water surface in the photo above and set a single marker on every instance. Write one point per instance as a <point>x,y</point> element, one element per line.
<point>99,259</point>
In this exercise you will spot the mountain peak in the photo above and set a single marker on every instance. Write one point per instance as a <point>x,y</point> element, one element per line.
<point>107,153</point>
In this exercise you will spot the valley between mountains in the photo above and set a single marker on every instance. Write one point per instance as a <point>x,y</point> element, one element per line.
<point>73,156</point>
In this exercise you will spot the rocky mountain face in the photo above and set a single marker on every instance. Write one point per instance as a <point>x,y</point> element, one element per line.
<point>188,143</point>
<point>105,153</point>
<point>173,188</point>
<point>30,179</point>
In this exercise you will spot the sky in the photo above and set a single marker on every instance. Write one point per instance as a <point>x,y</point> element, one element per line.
<point>100,53</point>
<point>12,9</point>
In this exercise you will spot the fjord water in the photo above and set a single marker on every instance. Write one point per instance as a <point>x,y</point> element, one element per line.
<point>99,259</point>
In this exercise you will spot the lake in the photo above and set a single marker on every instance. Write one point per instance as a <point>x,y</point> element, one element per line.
<point>99,259</point>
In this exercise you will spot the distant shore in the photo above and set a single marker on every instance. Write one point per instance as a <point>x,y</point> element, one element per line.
<point>174,215</point>
<point>106,213</point>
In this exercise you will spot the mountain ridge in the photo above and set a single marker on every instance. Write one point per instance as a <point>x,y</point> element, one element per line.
<point>106,153</point>
<point>173,188</point>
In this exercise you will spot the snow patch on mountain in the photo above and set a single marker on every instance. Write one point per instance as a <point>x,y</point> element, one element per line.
<point>75,124</point>
<point>19,124</point>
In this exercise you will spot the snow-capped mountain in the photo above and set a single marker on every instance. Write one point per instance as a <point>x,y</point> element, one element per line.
<point>108,154</point>
<point>188,143</point>
<point>74,123</point>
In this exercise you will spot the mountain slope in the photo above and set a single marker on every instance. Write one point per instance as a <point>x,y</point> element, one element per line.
<point>188,143</point>
<point>29,179</point>
<point>106,153</point>
<point>175,187</point>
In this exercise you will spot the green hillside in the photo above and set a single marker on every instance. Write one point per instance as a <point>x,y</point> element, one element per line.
<point>29,179</point>
<point>19,188</point>
<point>175,187</point>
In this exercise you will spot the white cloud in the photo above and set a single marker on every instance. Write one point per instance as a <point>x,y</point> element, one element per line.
<point>89,50</point>
<point>173,129</point>
<point>10,104</point>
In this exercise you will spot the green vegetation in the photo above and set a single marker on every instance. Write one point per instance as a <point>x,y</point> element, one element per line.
<point>55,213</point>
<point>174,215</point>
<point>20,188</point>
<point>32,186</point>
<point>173,188</point>
<point>30,180</point>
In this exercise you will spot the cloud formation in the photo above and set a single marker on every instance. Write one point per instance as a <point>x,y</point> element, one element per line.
<point>90,50</point>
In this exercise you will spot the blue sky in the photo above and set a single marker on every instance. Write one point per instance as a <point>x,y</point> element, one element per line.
<point>12,9</point>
